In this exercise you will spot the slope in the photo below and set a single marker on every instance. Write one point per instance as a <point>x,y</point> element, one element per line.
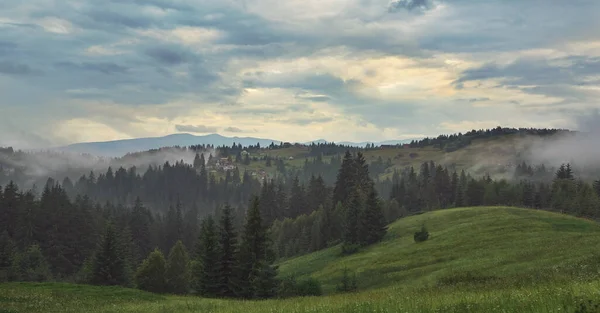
<point>478,260</point>
<point>496,246</point>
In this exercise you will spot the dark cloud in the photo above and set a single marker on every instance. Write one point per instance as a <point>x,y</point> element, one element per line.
<point>571,71</point>
<point>410,5</point>
<point>233,129</point>
<point>16,69</point>
<point>106,68</point>
<point>168,56</point>
<point>196,128</point>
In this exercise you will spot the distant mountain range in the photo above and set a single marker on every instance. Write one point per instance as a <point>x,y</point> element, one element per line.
<point>119,148</point>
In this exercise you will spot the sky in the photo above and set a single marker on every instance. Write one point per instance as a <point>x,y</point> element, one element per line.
<point>294,70</point>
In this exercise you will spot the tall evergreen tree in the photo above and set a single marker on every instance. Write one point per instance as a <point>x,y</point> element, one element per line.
<point>177,273</point>
<point>372,222</point>
<point>110,266</point>
<point>352,219</point>
<point>345,179</point>
<point>206,271</point>
<point>255,256</point>
<point>139,225</point>
<point>227,253</point>
<point>7,257</point>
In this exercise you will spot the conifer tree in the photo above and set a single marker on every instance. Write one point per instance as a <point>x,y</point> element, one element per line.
<point>372,222</point>
<point>298,203</point>
<point>255,256</point>
<point>150,276</point>
<point>7,257</point>
<point>139,225</point>
<point>345,179</point>
<point>227,253</point>
<point>597,187</point>
<point>110,264</point>
<point>206,269</point>
<point>177,273</point>
<point>352,222</point>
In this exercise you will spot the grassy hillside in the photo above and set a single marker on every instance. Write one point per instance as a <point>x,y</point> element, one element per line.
<point>490,155</point>
<point>483,246</point>
<point>477,260</point>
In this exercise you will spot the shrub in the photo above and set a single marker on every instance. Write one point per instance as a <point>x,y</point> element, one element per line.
<point>348,282</point>
<point>421,235</point>
<point>350,248</point>
<point>150,275</point>
<point>289,287</point>
<point>588,307</point>
<point>309,287</point>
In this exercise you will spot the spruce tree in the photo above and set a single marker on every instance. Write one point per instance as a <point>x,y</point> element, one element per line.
<point>255,257</point>
<point>597,187</point>
<point>110,264</point>
<point>352,223</point>
<point>139,225</point>
<point>206,269</point>
<point>177,273</point>
<point>150,276</point>
<point>345,179</point>
<point>7,257</point>
<point>227,253</point>
<point>372,222</point>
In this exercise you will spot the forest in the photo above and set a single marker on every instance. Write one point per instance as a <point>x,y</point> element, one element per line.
<point>180,228</point>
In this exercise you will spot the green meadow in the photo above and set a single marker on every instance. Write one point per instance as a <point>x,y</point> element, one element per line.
<point>487,259</point>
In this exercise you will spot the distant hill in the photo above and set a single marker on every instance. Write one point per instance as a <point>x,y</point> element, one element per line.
<point>119,148</point>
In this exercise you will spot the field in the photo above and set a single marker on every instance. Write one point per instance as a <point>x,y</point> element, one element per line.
<point>477,260</point>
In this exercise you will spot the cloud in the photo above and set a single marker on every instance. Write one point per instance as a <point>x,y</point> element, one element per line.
<point>410,5</point>
<point>293,67</point>
<point>16,69</point>
<point>196,128</point>
<point>233,129</point>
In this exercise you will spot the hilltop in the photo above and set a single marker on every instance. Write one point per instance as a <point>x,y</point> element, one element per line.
<point>486,259</point>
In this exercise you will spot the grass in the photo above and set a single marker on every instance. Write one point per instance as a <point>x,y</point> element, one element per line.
<point>492,259</point>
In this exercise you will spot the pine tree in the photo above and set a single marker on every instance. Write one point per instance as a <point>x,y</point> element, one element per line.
<point>177,273</point>
<point>298,203</point>
<point>255,257</point>
<point>206,270</point>
<point>227,253</point>
<point>352,222</point>
<point>139,224</point>
<point>597,187</point>
<point>110,266</point>
<point>150,276</point>
<point>372,222</point>
<point>7,257</point>
<point>345,180</point>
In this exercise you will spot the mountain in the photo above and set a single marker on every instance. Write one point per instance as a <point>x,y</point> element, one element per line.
<point>119,148</point>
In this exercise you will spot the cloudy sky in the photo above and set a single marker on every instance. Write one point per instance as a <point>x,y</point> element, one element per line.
<point>298,70</point>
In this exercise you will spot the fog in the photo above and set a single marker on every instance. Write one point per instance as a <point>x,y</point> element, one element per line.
<point>34,167</point>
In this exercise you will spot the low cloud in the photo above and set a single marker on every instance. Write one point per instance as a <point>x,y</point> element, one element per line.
<point>196,128</point>
<point>410,5</point>
<point>233,129</point>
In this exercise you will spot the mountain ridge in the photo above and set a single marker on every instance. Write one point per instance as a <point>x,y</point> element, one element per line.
<point>120,147</point>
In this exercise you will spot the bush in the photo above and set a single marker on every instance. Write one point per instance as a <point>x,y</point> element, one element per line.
<point>309,287</point>
<point>421,235</point>
<point>588,307</point>
<point>150,276</point>
<point>289,287</point>
<point>348,282</point>
<point>349,248</point>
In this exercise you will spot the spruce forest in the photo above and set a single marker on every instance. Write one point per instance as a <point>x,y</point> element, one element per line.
<point>182,229</point>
